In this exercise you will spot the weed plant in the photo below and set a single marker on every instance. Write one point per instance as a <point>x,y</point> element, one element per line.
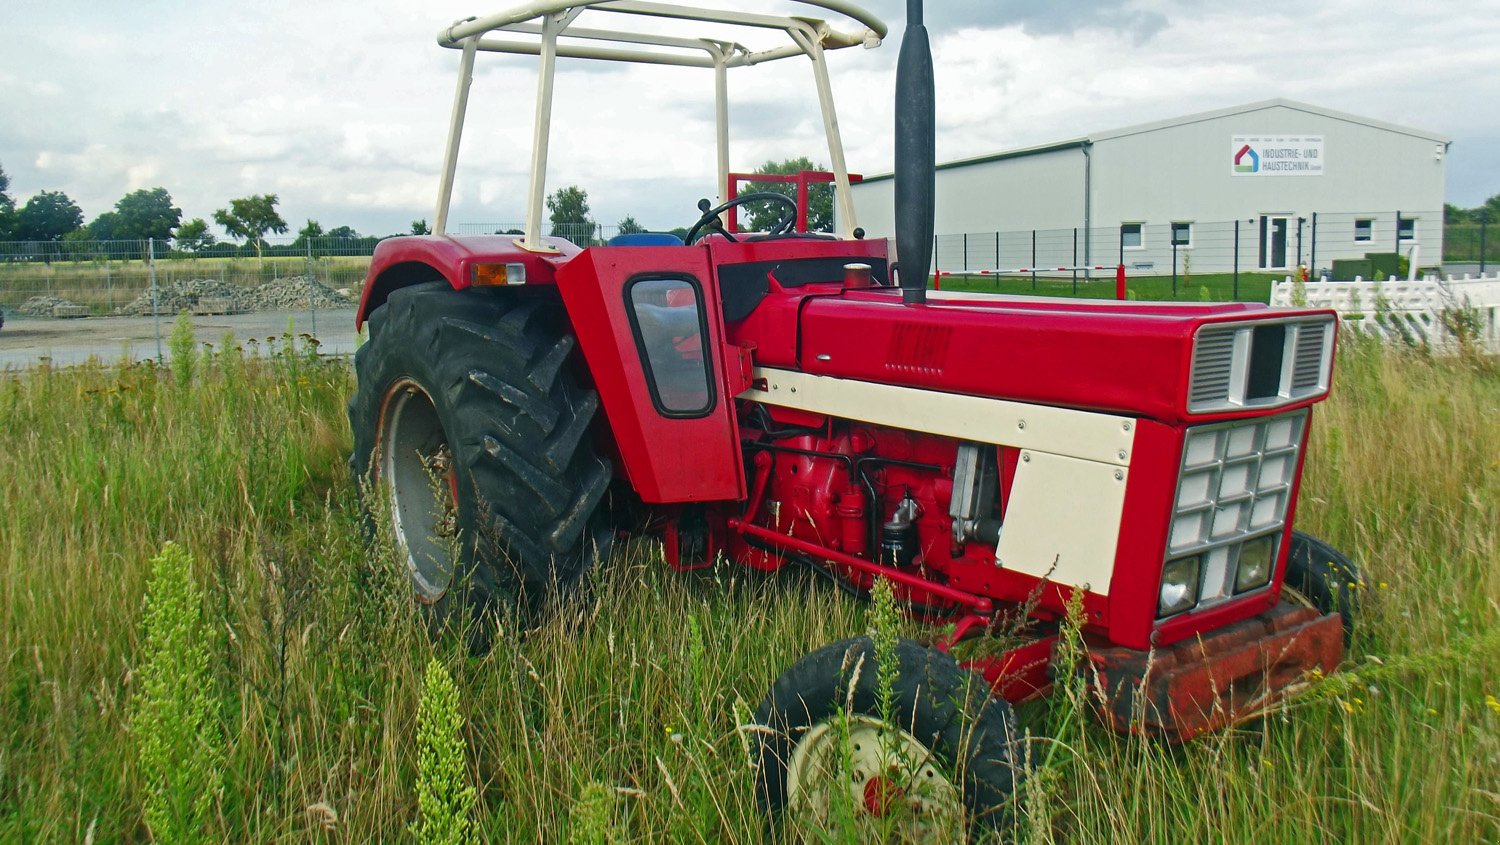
<point>622,718</point>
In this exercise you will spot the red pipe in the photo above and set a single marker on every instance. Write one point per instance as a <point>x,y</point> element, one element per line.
<point>980,604</point>
<point>1120,282</point>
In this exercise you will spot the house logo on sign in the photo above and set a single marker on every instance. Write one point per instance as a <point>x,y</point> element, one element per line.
<point>1246,160</point>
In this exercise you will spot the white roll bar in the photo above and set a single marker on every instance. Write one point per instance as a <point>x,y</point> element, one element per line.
<point>540,25</point>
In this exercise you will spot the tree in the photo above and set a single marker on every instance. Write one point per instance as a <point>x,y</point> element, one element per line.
<point>106,227</point>
<point>146,214</point>
<point>47,217</point>
<point>250,218</point>
<point>761,216</point>
<point>7,207</point>
<point>343,233</point>
<point>313,229</point>
<point>628,226</point>
<point>194,235</point>
<point>570,214</point>
<point>420,227</point>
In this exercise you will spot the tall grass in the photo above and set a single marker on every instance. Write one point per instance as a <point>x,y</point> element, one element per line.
<point>617,720</point>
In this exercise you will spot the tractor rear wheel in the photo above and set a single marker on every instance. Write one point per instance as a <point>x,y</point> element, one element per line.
<point>474,430</point>
<point>940,764</point>
<point>1321,577</point>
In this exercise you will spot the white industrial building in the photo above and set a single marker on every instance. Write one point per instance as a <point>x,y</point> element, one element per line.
<point>1289,183</point>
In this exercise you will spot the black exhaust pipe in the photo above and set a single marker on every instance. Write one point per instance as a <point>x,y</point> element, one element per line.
<point>916,157</point>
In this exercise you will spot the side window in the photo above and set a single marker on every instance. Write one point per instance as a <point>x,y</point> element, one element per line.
<point>668,319</point>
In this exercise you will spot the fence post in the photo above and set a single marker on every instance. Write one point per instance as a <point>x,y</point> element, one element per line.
<point>966,251</point>
<point>1484,220</point>
<point>1173,236</point>
<point>155,297</point>
<point>1300,221</point>
<point>1033,259</point>
<point>1312,258</point>
<point>312,299</point>
<point>1398,232</point>
<point>1236,259</point>
<point>1075,260</point>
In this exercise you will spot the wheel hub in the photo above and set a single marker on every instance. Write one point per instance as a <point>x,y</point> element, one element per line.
<point>417,470</point>
<point>888,772</point>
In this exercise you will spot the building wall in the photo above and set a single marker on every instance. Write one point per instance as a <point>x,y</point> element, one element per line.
<point>1041,190</point>
<point>1183,172</point>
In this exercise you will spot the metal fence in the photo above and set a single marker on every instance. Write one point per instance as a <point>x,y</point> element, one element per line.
<point>1272,243</point>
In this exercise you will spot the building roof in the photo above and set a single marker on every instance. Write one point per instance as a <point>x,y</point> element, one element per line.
<point>1140,128</point>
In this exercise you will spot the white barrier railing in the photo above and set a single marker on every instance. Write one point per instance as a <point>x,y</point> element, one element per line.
<point>1426,311</point>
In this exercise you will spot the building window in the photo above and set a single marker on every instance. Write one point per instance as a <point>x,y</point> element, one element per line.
<point>1362,229</point>
<point>1182,234</point>
<point>1130,236</point>
<point>1406,228</point>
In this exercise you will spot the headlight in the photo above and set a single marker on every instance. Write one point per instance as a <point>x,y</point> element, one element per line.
<point>1256,559</point>
<point>1179,586</point>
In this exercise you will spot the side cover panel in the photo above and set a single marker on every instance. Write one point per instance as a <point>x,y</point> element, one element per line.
<point>692,457</point>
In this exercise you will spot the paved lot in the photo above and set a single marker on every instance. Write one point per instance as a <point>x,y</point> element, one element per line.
<point>26,340</point>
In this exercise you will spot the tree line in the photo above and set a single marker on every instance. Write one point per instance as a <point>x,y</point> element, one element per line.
<point>1486,212</point>
<point>53,217</point>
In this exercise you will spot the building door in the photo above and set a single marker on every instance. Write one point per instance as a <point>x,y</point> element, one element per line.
<point>1273,241</point>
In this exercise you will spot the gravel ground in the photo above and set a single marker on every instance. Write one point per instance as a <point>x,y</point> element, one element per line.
<point>26,340</point>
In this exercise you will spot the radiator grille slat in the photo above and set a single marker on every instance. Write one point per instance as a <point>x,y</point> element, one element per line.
<point>1213,362</point>
<point>1308,364</point>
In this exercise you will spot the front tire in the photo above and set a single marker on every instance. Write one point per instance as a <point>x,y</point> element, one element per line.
<point>1321,577</point>
<point>474,430</point>
<point>945,756</point>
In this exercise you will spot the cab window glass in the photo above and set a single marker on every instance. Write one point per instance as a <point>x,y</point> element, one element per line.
<point>668,317</point>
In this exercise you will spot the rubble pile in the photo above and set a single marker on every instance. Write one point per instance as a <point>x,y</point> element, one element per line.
<point>186,295</point>
<point>44,306</point>
<point>293,293</point>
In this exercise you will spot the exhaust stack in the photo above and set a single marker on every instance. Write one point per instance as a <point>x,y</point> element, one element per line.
<point>916,157</point>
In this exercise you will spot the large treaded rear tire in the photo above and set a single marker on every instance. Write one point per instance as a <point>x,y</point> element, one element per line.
<point>527,479</point>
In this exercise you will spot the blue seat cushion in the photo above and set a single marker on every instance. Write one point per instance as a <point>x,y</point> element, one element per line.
<point>646,239</point>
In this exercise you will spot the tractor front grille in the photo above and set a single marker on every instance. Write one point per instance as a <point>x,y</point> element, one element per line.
<point>1234,488</point>
<point>1259,364</point>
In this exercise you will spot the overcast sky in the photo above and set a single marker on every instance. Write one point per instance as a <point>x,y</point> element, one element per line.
<point>341,108</point>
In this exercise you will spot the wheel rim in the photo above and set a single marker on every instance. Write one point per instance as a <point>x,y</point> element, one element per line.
<point>416,469</point>
<point>1294,596</point>
<point>887,771</point>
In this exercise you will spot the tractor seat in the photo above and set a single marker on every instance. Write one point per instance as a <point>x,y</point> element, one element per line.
<point>646,239</point>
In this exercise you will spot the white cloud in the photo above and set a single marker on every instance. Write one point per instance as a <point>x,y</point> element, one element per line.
<point>341,108</point>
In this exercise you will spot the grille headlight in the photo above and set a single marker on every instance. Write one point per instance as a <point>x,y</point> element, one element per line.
<point>1256,559</point>
<point>1179,586</point>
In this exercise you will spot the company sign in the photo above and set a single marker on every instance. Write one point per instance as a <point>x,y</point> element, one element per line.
<point>1276,155</point>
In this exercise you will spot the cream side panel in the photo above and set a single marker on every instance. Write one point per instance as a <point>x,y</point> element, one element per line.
<point>1063,520</point>
<point>1077,434</point>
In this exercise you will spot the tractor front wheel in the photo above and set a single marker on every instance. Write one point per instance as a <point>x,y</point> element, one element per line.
<point>936,765</point>
<point>1321,577</point>
<point>473,429</point>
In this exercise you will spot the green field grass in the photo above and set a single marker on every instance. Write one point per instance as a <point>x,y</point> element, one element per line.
<point>622,710</point>
<point>1212,287</point>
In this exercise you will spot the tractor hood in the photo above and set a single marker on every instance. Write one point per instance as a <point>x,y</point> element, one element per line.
<point>1132,358</point>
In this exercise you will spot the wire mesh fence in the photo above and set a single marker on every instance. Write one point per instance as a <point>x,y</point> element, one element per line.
<point>1265,244</point>
<point>1175,259</point>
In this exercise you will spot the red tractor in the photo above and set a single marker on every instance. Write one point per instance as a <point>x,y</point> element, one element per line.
<point>777,398</point>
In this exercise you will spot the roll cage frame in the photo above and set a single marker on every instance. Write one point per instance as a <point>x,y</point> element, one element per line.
<point>542,24</point>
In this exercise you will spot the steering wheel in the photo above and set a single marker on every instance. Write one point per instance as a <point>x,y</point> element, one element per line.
<point>709,222</point>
